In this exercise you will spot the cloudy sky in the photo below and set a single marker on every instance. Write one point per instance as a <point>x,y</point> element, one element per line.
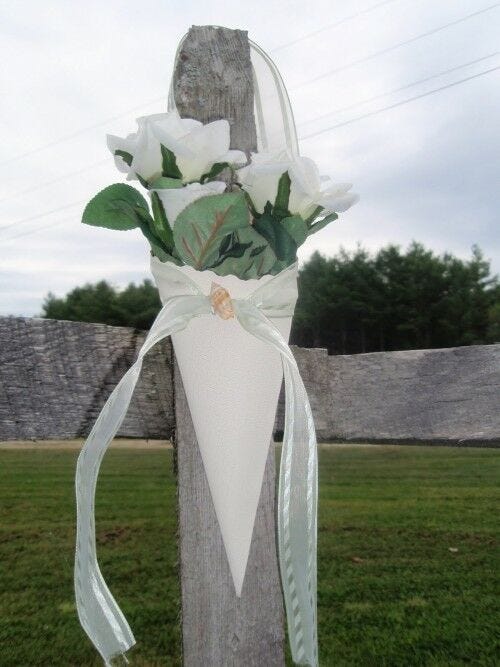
<point>428,169</point>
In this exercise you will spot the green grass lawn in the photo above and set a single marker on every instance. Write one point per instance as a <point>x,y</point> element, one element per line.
<point>406,556</point>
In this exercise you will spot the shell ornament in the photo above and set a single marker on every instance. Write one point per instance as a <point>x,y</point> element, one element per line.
<point>221,302</point>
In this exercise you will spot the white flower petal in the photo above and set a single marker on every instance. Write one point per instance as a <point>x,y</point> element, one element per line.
<point>206,144</point>
<point>310,190</point>
<point>147,160</point>
<point>120,144</point>
<point>336,189</point>
<point>304,174</point>
<point>196,146</point>
<point>171,123</point>
<point>261,177</point>
<point>217,134</point>
<point>339,203</point>
<point>189,124</point>
<point>234,157</point>
<point>261,183</point>
<point>271,158</point>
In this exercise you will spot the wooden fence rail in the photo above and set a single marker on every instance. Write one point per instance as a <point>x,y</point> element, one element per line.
<point>56,376</point>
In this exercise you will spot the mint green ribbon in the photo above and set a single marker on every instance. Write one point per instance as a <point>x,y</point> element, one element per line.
<point>99,614</point>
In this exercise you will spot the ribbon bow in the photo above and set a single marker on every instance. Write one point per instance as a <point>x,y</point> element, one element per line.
<point>98,611</point>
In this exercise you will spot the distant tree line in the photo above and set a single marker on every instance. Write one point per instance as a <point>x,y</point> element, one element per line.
<point>394,300</point>
<point>352,302</point>
<point>135,306</point>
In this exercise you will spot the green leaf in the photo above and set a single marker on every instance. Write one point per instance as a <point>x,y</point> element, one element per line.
<point>280,209</point>
<point>278,266</point>
<point>147,226</point>
<point>157,246</point>
<point>144,216</point>
<point>142,181</point>
<point>169,163</point>
<point>159,251</point>
<point>164,183</point>
<point>226,243</point>
<point>297,228</point>
<point>313,215</point>
<point>282,244</point>
<point>322,223</point>
<point>250,264</point>
<point>164,256</point>
<point>215,170</point>
<point>201,226</point>
<point>250,204</point>
<point>236,251</point>
<point>257,251</point>
<point>150,235</point>
<point>115,207</point>
<point>126,157</point>
<point>268,209</point>
<point>161,225</point>
<point>176,256</point>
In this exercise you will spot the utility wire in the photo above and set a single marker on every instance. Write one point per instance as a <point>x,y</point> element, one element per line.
<point>300,85</point>
<point>388,49</point>
<point>399,104</point>
<point>330,26</point>
<point>42,215</point>
<point>46,184</point>
<point>308,136</point>
<point>397,90</point>
<point>38,229</point>
<point>77,133</point>
<point>101,163</point>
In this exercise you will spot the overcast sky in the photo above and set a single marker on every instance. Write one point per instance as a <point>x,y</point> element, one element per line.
<point>427,170</point>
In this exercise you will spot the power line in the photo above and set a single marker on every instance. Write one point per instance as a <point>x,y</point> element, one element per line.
<point>35,231</point>
<point>371,56</point>
<point>46,184</point>
<point>77,133</point>
<point>42,215</point>
<point>308,136</point>
<point>319,77</point>
<point>110,119</point>
<point>398,90</point>
<point>95,165</point>
<point>399,104</point>
<point>330,26</point>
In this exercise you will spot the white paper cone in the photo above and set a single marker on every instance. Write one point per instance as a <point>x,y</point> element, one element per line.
<point>232,383</point>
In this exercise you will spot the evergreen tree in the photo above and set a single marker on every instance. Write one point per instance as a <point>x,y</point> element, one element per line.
<point>352,302</point>
<point>394,300</point>
<point>135,306</point>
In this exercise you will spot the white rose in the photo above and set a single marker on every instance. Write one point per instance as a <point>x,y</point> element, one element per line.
<point>260,179</point>
<point>308,189</point>
<point>196,146</point>
<point>175,200</point>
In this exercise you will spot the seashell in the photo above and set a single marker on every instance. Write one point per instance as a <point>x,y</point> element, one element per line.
<point>221,302</point>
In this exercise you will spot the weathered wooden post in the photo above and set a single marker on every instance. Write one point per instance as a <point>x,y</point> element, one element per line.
<point>212,80</point>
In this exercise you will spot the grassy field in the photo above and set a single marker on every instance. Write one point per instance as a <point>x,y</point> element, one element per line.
<point>406,556</point>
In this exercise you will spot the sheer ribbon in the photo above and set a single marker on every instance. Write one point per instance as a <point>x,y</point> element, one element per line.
<point>99,614</point>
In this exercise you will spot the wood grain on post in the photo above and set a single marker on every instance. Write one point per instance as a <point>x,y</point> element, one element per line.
<point>213,80</point>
